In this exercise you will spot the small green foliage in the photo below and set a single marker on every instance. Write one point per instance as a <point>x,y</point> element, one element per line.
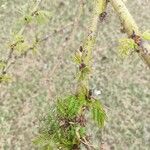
<point>42,16</point>
<point>49,132</point>
<point>5,78</point>
<point>64,127</point>
<point>2,64</point>
<point>18,38</point>
<point>42,140</point>
<point>97,112</point>
<point>19,44</point>
<point>69,107</point>
<point>146,35</point>
<point>34,47</point>
<point>24,19</point>
<point>86,70</point>
<point>77,58</point>
<point>126,47</point>
<point>39,17</point>
<point>32,15</point>
<point>21,47</point>
<point>81,132</point>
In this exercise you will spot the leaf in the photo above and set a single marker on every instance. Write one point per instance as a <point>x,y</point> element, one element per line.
<point>5,78</point>
<point>70,106</point>
<point>34,50</point>
<point>41,140</point>
<point>23,9</point>
<point>42,16</point>
<point>126,46</point>
<point>61,108</point>
<point>73,107</point>
<point>77,58</point>
<point>2,64</point>
<point>18,38</point>
<point>82,131</point>
<point>146,35</point>
<point>19,43</point>
<point>98,113</point>
<point>21,47</point>
<point>44,141</point>
<point>86,70</point>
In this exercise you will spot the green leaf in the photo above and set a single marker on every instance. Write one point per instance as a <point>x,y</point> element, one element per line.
<point>61,108</point>
<point>41,140</point>
<point>5,78</point>
<point>77,58</point>
<point>86,70</point>
<point>21,47</point>
<point>18,38</point>
<point>69,107</point>
<point>44,141</point>
<point>82,131</point>
<point>42,16</point>
<point>146,35</point>
<point>98,113</point>
<point>126,46</point>
<point>19,44</point>
<point>2,64</point>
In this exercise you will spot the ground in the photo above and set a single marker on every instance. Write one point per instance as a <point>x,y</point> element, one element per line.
<point>38,79</point>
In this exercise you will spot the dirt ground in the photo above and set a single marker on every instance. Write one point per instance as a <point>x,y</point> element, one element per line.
<point>123,84</point>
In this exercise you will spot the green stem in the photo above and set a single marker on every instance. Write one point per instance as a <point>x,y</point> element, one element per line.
<point>86,53</point>
<point>130,25</point>
<point>20,32</point>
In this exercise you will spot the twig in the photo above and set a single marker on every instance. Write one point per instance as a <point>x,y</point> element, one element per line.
<point>11,50</point>
<point>55,32</point>
<point>130,26</point>
<point>9,63</point>
<point>87,144</point>
<point>37,5</point>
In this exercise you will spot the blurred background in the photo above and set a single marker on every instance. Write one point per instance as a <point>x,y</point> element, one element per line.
<point>122,85</point>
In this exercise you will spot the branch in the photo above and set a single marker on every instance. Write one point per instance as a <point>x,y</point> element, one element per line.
<point>9,62</point>
<point>130,26</point>
<point>55,32</point>
<point>11,50</point>
<point>84,54</point>
<point>87,144</point>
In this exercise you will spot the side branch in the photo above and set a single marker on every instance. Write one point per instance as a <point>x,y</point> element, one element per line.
<point>131,27</point>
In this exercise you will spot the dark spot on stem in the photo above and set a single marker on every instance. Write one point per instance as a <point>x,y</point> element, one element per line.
<point>81,49</point>
<point>102,16</point>
<point>82,65</point>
